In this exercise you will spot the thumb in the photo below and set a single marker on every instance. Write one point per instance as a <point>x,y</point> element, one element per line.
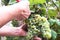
<point>36,38</point>
<point>24,27</point>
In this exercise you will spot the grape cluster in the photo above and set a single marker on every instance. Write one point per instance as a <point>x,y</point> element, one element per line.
<point>36,25</point>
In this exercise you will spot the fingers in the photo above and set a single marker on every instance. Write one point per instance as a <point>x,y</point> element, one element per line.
<point>24,12</point>
<point>36,38</point>
<point>21,25</point>
<point>24,27</point>
<point>22,32</point>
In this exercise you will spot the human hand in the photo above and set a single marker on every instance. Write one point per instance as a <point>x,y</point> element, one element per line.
<point>24,11</point>
<point>24,30</point>
<point>36,38</point>
<point>13,31</point>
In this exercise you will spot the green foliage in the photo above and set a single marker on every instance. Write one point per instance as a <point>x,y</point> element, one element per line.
<point>13,0</point>
<point>43,11</point>
<point>54,34</point>
<point>9,38</point>
<point>52,13</point>
<point>15,23</point>
<point>37,2</point>
<point>52,21</point>
<point>58,22</point>
<point>5,2</point>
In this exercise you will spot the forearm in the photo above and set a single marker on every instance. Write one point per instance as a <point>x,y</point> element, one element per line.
<point>7,13</point>
<point>11,32</point>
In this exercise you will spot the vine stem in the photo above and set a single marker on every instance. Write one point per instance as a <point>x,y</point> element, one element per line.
<point>58,9</point>
<point>55,5</point>
<point>45,5</point>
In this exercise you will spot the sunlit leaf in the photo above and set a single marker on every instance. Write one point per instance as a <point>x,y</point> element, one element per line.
<point>37,1</point>
<point>52,13</point>
<point>13,0</point>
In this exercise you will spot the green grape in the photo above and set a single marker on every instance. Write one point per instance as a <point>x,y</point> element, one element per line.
<point>33,21</point>
<point>33,26</point>
<point>46,24</point>
<point>36,29</point>
<point>36,15</point>
<point>47,35</point>
<point>48,30</point>
<point>29,35</point>
<point>44,19</point>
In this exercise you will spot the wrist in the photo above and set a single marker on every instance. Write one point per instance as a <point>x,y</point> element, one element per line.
<point>8,32</point>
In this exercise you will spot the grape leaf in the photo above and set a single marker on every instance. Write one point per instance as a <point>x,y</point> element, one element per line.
<point>58,22</point>
<point>58,31</point>
<point>54,34</point>
<point>52,13</point>
<point>37,2</point>
<point>51,21</point>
